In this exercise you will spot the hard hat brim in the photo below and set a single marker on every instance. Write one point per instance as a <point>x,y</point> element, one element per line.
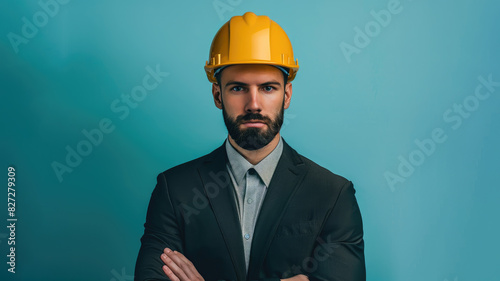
<point>211,70</point>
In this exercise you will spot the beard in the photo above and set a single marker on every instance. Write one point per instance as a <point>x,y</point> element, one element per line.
<point>253,138</point>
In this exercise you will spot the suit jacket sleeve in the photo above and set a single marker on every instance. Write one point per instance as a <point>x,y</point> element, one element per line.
<point>339,251</point>
<point>161,230</point>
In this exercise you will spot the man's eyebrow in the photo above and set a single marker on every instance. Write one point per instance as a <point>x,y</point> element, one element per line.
<point>271,83</point>
<point>238,83</point>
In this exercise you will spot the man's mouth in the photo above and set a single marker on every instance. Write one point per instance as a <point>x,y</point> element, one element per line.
<point>254,123</point>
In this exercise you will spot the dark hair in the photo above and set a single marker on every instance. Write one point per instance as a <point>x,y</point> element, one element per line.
<point>217,77</point>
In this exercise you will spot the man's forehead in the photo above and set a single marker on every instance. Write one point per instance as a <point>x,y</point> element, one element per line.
<point>252,71</point>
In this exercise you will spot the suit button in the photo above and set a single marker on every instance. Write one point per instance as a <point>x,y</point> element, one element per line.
<point>247,236</point>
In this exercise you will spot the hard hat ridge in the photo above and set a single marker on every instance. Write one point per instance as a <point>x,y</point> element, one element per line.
<point>250,18</point>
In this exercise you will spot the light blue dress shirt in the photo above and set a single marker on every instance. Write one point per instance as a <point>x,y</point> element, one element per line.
<point>250,183</point>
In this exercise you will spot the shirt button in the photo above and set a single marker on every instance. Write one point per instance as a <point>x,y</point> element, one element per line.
<point>247,236</point>
<point>249,200</point>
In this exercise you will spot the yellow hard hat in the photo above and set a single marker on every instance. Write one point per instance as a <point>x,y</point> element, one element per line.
<point>251,39</point>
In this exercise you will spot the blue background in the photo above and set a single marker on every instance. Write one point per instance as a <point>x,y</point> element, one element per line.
<point>358,115</point>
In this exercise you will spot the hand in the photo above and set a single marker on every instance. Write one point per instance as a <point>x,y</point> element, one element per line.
<point>299,277</point>
<point>178,268</point>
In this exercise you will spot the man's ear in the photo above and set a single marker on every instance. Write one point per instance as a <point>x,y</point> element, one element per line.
<point>216,92</point>
<point>288,95</point>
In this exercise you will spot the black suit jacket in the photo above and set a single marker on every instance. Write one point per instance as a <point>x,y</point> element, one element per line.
<point>309,223</point>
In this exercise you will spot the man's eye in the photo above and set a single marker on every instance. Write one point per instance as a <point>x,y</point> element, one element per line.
<point>237,89</point>
<point>269,88</point>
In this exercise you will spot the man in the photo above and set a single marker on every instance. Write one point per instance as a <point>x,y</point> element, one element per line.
<point>253,209</point>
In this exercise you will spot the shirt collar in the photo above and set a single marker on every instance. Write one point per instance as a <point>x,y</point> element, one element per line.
<point>265,168</point>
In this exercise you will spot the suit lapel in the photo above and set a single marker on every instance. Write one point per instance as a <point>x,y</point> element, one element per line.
<point>287,177</point>
<point>220,192</point>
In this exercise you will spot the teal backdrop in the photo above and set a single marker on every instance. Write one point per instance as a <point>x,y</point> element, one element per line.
<point>401,97</point>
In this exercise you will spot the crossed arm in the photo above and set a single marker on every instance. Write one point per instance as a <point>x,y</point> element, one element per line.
<point>178,268</point>
<point>161,226</point>
<point>340,255</point>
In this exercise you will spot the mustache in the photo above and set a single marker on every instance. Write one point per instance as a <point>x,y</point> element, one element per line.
<point>253,116</point>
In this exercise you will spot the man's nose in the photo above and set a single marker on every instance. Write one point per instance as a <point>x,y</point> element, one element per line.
<point>253,102</point>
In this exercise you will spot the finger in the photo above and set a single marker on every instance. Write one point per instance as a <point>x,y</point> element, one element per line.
<point>184,264</point>
<point>169,273</point>
<point>174,267</point>
<point>189,264</point>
